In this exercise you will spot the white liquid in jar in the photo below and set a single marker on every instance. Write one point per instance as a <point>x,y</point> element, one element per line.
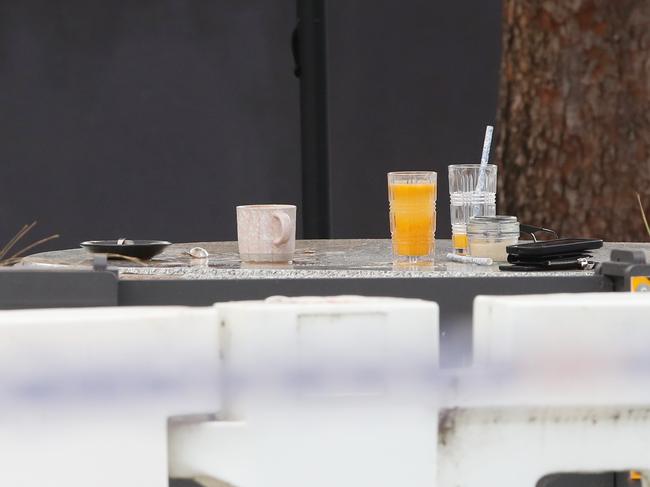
<point>495,250</point>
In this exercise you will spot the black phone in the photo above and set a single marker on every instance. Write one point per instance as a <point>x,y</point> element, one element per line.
<point>560,246</point>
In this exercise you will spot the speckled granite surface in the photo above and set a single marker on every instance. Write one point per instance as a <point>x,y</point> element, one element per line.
<point>314,259</point>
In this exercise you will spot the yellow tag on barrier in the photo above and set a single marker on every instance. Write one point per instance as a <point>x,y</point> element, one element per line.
<point>640,284</point>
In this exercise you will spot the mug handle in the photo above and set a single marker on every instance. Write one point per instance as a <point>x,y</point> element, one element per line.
<point>285,225</point>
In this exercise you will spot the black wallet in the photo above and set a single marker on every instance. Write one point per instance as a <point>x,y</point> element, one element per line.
<point>557,246</point>
<point>551,255</point>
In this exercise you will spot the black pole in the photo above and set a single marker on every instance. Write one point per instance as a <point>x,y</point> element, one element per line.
<point>311,53</point>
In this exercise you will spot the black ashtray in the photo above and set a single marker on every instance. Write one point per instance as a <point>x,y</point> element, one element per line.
<point>140,249</point>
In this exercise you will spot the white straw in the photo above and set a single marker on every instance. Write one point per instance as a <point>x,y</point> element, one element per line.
<point>466,259</point>
<point>485,158</point>
<point>487,143</point>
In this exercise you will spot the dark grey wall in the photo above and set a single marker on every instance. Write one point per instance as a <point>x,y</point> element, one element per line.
<point>413,84</point>
<point>145,118</point>
<point>154,118</point>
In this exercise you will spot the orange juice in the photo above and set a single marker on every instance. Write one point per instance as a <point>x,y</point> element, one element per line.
<point>413,218</point>
<point>460,242</point>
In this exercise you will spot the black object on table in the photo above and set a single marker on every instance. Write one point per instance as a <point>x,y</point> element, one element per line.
<point>138,249</point>
<point>552,255</point>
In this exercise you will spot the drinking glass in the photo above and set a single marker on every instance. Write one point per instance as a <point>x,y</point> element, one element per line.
<point>467,202</point>
<point>412,201</point>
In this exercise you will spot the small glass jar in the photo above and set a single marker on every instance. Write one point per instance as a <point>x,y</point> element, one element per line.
<point>490,235</point>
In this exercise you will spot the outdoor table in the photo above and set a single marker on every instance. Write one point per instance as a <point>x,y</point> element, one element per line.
<point>329,267</point>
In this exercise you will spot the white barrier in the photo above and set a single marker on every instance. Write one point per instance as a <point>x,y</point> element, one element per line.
<point>360,416</point>
<point>85,394</point>
<point>566,388</point>
<point>324,391</point>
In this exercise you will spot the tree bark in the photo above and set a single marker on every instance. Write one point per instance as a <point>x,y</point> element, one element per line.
<point>574,115</point>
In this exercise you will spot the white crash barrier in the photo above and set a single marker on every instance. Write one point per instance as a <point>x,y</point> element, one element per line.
<point>560,383</point>
<point>319,392</point>
<point>85,394</point>
<point>324,391</point>
<point>312,391</point>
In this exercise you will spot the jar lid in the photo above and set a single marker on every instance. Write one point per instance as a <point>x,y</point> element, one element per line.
<point>493,224</point>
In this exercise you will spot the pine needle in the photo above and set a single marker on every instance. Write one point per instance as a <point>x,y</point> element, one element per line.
<point>21,233</point>
<point>645,220</point>
<point>126,257</point>
<point>16,238</point>
<point>31,246</point>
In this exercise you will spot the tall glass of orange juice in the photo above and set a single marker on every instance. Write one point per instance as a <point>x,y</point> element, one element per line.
<point>412,200</point>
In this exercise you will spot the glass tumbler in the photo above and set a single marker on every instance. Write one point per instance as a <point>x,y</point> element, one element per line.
<point>466,202</point>
<point>412,201</point>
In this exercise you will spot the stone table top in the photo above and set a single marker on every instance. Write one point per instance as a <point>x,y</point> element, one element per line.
<point>314,259</point>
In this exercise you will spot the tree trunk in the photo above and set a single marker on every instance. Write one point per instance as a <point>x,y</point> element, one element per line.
<point>574,115</point>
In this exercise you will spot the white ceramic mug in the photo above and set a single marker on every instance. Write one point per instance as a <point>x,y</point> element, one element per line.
<point>266,233</point>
